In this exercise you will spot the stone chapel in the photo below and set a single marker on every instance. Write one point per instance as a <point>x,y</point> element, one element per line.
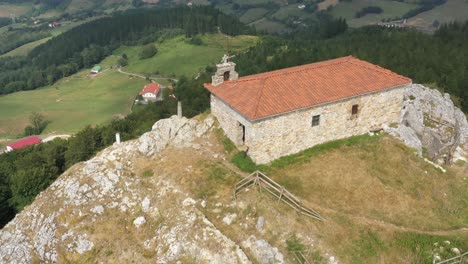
<point>282,112</point>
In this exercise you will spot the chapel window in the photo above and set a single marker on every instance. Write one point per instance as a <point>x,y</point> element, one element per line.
<point>316,120</point>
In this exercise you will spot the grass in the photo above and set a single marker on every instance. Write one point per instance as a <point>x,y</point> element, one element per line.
<point>269,26</point>
<point>17,9</point>
<point>176,57</point>
<point>451,10</point>
<point>71,103</point>
<point>291,10</point>
<point>305,155</point>
<point>391,9</point>
<point>216,180</point>
<point>351,176</point>
<point>244,162</point>
<point>253,14</point>
<point>25,49</point>
<point>227,143</point>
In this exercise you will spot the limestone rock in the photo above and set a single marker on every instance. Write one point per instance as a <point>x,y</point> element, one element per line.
<point>145,205</point>
<point>139,221</point>
<point>263,252</point>
<point>179,131</point>
<point>430,120</point>
<point>260,223</point>
<point>229,218</point>
<point>103,194</point>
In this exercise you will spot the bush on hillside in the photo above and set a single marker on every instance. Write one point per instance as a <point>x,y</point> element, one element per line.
<point>148,51</point>
<point>368,10</point>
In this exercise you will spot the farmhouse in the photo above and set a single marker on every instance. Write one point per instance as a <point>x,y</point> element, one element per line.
<point>282,112</point>
<point>96,69</point>
<point>150,92</point>
<point>25,142</point>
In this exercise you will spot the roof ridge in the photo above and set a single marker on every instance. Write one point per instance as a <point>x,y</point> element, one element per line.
<point>302,68</point>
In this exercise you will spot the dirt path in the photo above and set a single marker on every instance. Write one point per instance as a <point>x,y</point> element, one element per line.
<point>144,77</point>
<point>52,137</point>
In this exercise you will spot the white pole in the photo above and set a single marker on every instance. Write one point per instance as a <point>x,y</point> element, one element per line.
<point>179,109</point>
<point>117,137</point>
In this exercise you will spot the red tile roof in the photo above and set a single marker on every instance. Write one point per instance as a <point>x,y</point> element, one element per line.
<point>271,93</point>
<point>32,140</point>
<point>151,88</point>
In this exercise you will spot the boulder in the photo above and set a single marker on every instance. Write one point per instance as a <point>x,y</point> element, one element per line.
<point>263,252</point>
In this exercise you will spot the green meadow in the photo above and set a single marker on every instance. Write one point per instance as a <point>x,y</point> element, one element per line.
<point>177,57</point>
<point>72,103</point>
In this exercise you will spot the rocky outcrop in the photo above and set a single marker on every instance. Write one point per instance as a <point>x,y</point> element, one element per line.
<point>262,251</point>
<point>100,205</point>
<point>430,121</point>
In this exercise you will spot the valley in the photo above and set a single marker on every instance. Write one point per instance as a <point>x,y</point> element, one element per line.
<point>80,99</point>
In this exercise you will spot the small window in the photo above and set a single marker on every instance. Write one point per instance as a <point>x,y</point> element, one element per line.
<point>355,109</point>
<point>316,120</point>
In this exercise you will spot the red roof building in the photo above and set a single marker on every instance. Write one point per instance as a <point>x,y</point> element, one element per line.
<point>150,91</point>
<point>271,93</point>
<point>25,142</point>
<point>282,112</point>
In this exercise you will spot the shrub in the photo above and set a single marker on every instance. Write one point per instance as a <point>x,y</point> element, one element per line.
<point>368,10</point>
<point>148,51</point>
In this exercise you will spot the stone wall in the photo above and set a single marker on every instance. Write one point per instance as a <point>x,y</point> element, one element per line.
<point>290,133</point>
<point>229,120</point>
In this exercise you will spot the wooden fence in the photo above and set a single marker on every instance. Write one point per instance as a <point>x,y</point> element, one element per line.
<point>462,259</point>
<point>261,180</point>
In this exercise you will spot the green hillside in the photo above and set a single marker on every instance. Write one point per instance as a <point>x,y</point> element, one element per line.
<point>177,57</point>
<point>391,9</point>
<point>71,103</point>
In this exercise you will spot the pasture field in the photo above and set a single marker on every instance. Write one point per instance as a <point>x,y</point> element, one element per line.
<point>253,14</point>
<point>176,57</point>
<point>391,9</point>
<point>25,49</point>
<point>268,25</point>
<point>450,11</point>
<point>17,9</point>
<point>71,103</point>
<point>291,10</point>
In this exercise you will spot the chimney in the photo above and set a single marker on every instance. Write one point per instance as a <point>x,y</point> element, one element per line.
<point>225,71</point>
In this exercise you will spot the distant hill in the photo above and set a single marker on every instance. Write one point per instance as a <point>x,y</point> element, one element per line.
<point>265,15</point>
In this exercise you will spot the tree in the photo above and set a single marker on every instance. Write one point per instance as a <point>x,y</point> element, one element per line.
<point>38,124</point>
<point>123,61</point>
<point>148,51</point>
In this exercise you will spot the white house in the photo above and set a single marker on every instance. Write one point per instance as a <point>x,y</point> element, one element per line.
<point>151,91</point>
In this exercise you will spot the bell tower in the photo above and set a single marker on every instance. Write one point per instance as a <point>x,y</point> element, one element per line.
<point>225,71</point>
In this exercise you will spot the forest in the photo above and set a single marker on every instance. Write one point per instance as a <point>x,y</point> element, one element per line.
<point>87,44</point>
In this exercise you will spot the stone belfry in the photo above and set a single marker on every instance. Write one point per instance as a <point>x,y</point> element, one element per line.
<point>225,71</point>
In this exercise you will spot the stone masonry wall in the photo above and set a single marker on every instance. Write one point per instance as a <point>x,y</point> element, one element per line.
<point>290,133</point>
<point>229,120</point>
